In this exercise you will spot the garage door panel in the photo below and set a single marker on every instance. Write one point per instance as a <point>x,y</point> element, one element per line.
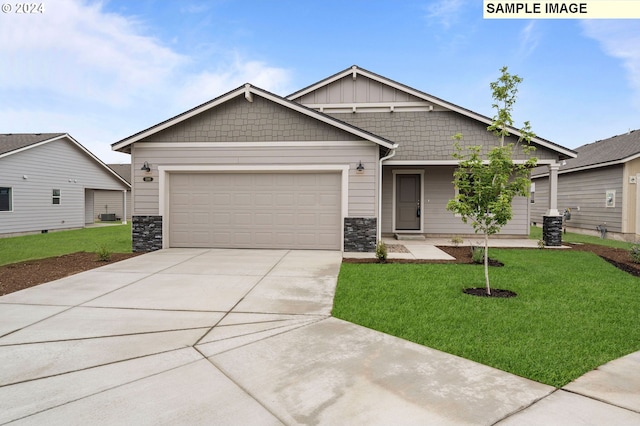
<point>263,210</point>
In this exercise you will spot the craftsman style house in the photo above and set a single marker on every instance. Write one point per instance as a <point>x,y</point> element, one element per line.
<point>332,166</point>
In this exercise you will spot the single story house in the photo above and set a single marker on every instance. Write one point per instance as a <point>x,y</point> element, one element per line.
<point>48,182</point>
<point>335,165</point>
<point>599,189</point>
<point>110,204</point>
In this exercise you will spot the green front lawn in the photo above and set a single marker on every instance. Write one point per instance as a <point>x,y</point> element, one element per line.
<point>573,311</point>
<point>115,238</point>
<point>571,237</point>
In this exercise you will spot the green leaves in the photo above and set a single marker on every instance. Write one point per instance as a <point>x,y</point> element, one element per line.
<point>486,187</point>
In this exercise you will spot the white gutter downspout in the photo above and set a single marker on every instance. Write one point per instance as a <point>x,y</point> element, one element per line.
<point>393,153</point>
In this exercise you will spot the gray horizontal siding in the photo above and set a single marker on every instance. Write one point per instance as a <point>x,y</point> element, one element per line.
<point>587,190</point>
<point>55,165</point>
<point>438,190</point>
<point>362,188</point>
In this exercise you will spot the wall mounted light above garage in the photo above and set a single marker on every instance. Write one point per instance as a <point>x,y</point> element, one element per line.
<point>145,167</point>
<point>360,168</point>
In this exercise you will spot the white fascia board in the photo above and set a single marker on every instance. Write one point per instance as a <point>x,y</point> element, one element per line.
<point>435,162</point>
<point>324,82</point>
<point>284,144</point>
<point>171,122</point>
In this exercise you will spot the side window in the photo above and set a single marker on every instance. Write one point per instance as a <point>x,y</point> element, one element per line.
<point>6,202</point>
<point>56,196</point>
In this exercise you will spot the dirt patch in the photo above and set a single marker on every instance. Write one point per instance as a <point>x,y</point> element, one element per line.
<point>18,276</point>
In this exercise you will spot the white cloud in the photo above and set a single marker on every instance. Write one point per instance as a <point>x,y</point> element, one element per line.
<point>620,39</point>
<point>529,39</point>
<point>210,84</point>
<point>77,50</point>
<point>99,76</point>
<point>446,12</point>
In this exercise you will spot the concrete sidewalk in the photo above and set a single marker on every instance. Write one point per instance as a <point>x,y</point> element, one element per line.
<point>200,336</point>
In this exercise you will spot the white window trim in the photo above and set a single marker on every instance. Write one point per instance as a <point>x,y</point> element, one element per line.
<point>613,197</point>
<point>165,171</point>
<point>393,201</point>
<point>59,197</point>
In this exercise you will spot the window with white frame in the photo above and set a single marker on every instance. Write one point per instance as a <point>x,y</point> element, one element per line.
<point>6,201</point>
<point>55,199</point>
<point>532,193</point>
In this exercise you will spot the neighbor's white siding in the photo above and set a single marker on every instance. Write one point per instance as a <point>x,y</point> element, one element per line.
<point>110,202</point>
<point>35,172</point>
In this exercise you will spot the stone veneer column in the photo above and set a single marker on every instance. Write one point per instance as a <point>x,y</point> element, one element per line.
<point>360,234</point>
<point>552,221</point>
<point>552,230</point>
<point>146,233</point>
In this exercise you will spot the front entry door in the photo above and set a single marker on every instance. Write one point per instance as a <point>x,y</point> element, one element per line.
<point>407,202</point>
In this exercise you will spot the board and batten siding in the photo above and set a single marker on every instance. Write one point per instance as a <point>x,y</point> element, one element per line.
<point>438,190</point>
<point>362,187</point>
<point>587,190</point>
<point>34,173</point>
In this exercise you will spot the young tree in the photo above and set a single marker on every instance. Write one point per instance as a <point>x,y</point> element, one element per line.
<point>486,187</point>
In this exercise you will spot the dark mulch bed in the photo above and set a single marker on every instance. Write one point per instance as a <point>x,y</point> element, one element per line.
<point>18,276</point>
<point>495,292</point>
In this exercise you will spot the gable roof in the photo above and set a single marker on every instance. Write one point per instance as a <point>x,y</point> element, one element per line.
<point>17,141</point>
<point>354,71</point>
<point>607,152</point>
<point>13,143</point>
<point>123,170</point>
<point>248,91</point>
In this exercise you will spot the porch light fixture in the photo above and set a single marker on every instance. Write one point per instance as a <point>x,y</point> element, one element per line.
<point>360,167</point>
<point>146,167</point>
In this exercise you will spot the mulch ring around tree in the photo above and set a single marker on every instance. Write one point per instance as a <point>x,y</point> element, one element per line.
<point>495,292</point>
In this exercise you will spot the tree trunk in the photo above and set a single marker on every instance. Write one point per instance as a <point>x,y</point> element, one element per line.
<point>486,262</point>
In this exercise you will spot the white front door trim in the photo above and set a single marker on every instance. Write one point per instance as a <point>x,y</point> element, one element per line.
<point>393,199</point>
<point>164,185</point>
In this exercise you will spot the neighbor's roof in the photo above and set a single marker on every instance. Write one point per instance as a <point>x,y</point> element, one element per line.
<point>615,150</point>
<point>123,170</point>
<point>16,141</point>
<point>356,70</point>
<point>12,143</point>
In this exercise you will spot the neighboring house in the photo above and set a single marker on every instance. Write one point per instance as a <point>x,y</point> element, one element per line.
<point>48,182</point>
<point>332,166</point>
<point>107,204</point>
<point>600,188</point>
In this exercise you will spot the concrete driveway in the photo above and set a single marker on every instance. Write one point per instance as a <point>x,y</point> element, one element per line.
<point>239,337</point>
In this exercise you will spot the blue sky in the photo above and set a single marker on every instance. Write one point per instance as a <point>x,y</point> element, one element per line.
<point>102,71</point>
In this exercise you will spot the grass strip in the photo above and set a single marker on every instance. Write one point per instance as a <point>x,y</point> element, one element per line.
<point>115,238</point>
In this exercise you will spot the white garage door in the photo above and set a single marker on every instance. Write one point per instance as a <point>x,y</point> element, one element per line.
<point>255,210</point>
